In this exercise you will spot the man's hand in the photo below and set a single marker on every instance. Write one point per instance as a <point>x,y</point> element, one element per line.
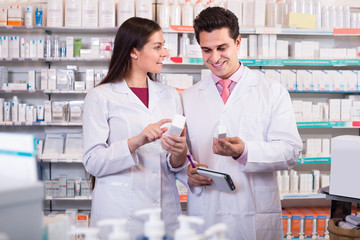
<point>231,146</point>
<point>196,179</point>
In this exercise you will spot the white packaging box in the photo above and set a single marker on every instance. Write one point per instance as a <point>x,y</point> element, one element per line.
<point>350,80</point>
<point>33,49</point>
<point>282,49</point>
<point>324,53</point>
<point>304,80</point>
<point>243,50</point>
<point>73,13</point>
<point>177,125</point>
<point>345,165</point>
<point>48,188</point>
<point>47,111</point>
<point>56,188</point>
<point>310,147</point>
<point>69,47</point>
<point>15,47</point>
<point>272,45</point>
<point>62,187</point>
<point>325,147</point>
<point>324,180</point>
<point>82,220</point>
<point>51,79</point>
<point>29,114</point>
<point>335,77</point>
<point>253,46</point>
<point>85,188</point>
<point>273,74</point>
<point>307,111</point>
<point>40,49</point>
<point>248,13</point>
<point>5,47</point>
<point>316,112</point>
<point>194,50</point>
<point>346,109</point>
<point>334,109</point>
<point>44,79</point>
<point>351,53</point>
<point>297,106</point>
<point>263,46</point>
<point>259,13</point>
<point>31,80</point>
<point>316,49</point>
<point>22,112</point>
<point>325,111</point>
<point>171,44</point>
<point>307,49</point>
<point>89,79</point>
<point>79,85</point>
<point>295,50</point>
<point>318,80</point>
<point>70,188</point>
<point>288,79</point>
<point>341,53</point>
<point>355,111</point>
<point>317,147</point>
<point>95,47</point>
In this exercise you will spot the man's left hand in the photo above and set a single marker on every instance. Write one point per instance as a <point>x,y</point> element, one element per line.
<point>231,146</point>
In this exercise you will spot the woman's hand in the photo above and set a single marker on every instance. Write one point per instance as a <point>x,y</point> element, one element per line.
<point>151,133</point>
<point>177,147</point>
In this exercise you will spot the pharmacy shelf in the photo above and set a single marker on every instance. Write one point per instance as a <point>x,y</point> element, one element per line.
<point>313,160</point>
<point>76,198</point>
<point>301,196</point>
<point>60,158</point>
<point>331,124</point>
<point>67,124</point>
<point>274,62</point>
<point>57,29</point>
<point>43,91</point>
<point>49,60</point>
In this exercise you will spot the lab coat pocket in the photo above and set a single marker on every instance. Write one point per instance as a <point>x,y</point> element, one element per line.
<point>116,199</point>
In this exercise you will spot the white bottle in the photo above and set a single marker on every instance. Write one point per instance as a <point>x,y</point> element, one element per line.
<point>90,233</point>
<point>279,180</point>
<point>314,229</point>
<point>317,10</point>
<point>216,231</point>
<point>339,17</point>
<point>199,6</point>
<point>15,109</point>
<point>29,16</point>
<point>294,181</point>
<point>107,13</point>
<point>144,9</point>
<point>288,229</point>
<point>294,6</point>
<point>187,14</point>
<point>301,232</point>
<point>185,231</point>
<point>125,10</point>
<point>164,15</point>
<point>119,228</point>
<point>316,177</point>
<point>27,49</point>
<point>347,17</point>
<point>325,17</point>
<point>90,13</point>
<point>285,182</point>
<point>154,228</point>
<point>271,13</point>
<point>175,13</point>
<point>184,42</point>
<point>22,48</point>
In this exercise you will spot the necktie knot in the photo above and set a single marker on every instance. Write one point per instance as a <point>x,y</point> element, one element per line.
<point>225,83</point>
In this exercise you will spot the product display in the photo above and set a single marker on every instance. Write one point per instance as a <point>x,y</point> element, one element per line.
<point>53,52</point>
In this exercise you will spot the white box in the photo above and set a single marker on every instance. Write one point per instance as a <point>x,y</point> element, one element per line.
<point>259,13</point>
<point>44,79</point>
<point>282,49</point>
<point>171,44</point>
<point>325,147</point>
<point>350,80</point>
<point>243,50</point>
<point>307,111</point>
<point>51,79</point>
<point>295,50</point>
<point>346,109</point>
<point>263,46</point>
<point>304,80</point>
<point>334,109</point>
<point>79,85</point>
<point>345,165</point>
<point>297,105</point>
<point>253,46</point>
<point>288,79</point>
<point>272,45</point>
<point>177,125</point>
<point>69,47</point>
<point>273,74</point>
<point>31,80</point>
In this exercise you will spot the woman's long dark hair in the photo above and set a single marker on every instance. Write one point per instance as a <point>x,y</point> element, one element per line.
<point>133,33</point>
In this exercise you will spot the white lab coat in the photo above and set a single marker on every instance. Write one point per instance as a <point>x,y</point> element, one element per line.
<point>259,111</point>
<point>128,182</point>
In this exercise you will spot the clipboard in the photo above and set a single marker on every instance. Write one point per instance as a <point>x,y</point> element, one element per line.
<point>222,181</point>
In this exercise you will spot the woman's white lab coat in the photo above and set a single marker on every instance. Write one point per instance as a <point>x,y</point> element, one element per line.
<point>259,111</point>
<point>128,182</point>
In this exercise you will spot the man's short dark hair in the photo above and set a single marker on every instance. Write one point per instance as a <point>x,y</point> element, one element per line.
<point>213,18</point>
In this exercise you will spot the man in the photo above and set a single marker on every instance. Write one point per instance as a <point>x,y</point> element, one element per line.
<point>262,136</point>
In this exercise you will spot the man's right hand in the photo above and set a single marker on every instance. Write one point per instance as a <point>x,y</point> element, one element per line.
<point>196,179</point>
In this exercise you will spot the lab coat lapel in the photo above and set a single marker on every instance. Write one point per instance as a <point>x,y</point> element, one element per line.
<point>244,87</point>
<point>123,88</point>
<point>209,94</point>
<point>155,94</point>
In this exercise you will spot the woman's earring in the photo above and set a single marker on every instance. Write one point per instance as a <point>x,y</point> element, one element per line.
<point>135,57</point>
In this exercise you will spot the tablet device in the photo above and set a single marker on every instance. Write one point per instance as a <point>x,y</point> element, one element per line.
<point>222,181</point>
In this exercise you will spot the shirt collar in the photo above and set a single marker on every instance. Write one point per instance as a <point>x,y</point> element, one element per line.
<point>235,77</point>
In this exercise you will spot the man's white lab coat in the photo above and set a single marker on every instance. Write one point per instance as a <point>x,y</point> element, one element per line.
<point>259,111</point>
<point>128,182</point>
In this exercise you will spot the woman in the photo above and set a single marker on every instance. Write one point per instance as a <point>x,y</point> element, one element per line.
<point>125,147</point>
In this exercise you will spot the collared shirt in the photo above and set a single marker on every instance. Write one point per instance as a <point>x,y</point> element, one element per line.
<point>235,79</point>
